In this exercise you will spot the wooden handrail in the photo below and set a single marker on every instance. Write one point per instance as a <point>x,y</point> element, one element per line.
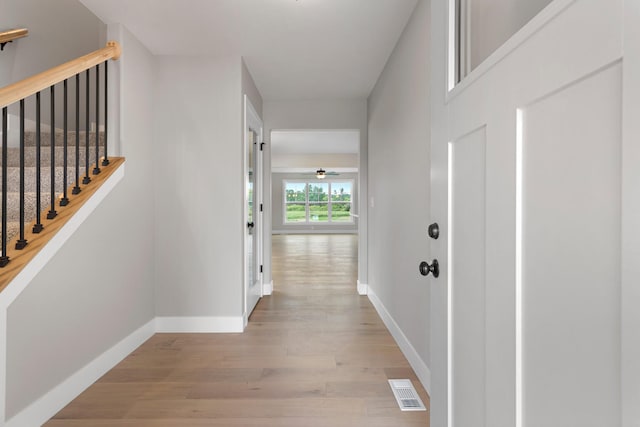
<point>31,85</point>
<point>8,36</point>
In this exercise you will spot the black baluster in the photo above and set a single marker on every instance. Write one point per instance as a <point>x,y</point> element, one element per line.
<point>65,149</point>
<point>4,259</point>
<point>105,161</point>
<point>76,188</point>
<point>37,228</point>
<point>96,170</point>
<point>52,212</point>
<point>86,178</point>
<point>22,242</point>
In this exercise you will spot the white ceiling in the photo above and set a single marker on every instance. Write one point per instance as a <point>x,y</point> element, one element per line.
<point>315,142</point>
<point>294,49</point>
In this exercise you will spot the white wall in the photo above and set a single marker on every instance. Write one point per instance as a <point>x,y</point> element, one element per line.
<point>281,163</point>
<point>319,114</point>
<point>278,206</point>
<point>98,289</point>
<point>198,186</point>
<point>49,43</point>
<point>399,127</point>
<point>249,88</point>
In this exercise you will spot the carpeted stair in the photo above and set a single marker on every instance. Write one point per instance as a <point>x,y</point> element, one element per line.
<point>13,174</point>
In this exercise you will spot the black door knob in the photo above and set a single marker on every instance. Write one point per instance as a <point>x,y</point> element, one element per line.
<point>434,231</point>
<point>250,224</point>
<point>434,268</point>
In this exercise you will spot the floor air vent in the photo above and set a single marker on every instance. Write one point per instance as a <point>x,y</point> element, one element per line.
<point>406,395</point>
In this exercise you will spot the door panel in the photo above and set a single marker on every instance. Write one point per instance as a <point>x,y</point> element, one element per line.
<point>531,271</point>
<point>571,254</point>
<point>252,289</point>
<point>253,217</point>
<point>251,209</point>
<point>467,278</point>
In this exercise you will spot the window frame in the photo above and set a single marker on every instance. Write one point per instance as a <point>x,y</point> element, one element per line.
<point>307,203</point>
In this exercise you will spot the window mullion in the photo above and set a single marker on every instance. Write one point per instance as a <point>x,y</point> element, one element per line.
<point>306,204</point>
<point>329,204</point>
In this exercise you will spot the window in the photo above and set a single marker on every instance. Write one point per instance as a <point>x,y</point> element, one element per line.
<point>295,202</point>
<point>318,202</point>
<point>341,202</point>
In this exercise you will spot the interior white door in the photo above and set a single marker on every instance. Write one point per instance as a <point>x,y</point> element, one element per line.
<point>253,219</point>
<point>527,187</point>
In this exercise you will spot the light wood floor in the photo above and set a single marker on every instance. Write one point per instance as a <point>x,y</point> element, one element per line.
<point>315,354</point>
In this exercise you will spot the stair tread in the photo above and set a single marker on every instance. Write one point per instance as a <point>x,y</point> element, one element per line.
<point>45,138</point>
<point>13,171</point>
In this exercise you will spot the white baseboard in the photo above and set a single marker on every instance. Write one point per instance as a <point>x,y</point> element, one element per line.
<point>419,366</point>
<point>363,288</point>
<point>231,324</point>
<point>267,288</point>
<point>48,405</point>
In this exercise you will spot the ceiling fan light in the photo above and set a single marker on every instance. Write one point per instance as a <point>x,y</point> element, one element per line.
<point>321,174</point>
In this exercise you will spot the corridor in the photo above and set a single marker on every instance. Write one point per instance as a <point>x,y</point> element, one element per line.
<point>315,354</point>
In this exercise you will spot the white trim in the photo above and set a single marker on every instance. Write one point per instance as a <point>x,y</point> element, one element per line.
<point>48,405</point>
<point>519,257</point>
<point>212,324</point>
<point>419,366</point>
<point>363,288</point>
<point>267,288</point>
<point>449,301</point>
<point>29,272</point>
<point>451,46</point>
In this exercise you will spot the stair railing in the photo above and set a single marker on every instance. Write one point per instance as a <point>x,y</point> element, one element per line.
<point>18,93</point>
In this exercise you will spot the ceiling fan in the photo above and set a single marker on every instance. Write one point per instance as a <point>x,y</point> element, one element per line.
<point>322,174</point>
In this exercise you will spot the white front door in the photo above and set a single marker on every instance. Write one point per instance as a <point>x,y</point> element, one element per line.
<point>253,215</point>
<point>527,185</point>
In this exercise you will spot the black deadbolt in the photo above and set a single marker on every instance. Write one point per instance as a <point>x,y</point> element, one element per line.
<point>434,230</point>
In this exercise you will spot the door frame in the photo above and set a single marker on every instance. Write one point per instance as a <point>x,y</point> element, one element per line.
<point>360,204</point>
<point>252,121</point>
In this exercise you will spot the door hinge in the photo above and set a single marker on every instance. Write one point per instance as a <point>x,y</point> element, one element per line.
<point>260,207</point>
<point>261,268</point>
<point>262,146</point>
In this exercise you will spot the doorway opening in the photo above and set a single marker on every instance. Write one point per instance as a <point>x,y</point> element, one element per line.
<point>253,247</point>
<point>315,184</point>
